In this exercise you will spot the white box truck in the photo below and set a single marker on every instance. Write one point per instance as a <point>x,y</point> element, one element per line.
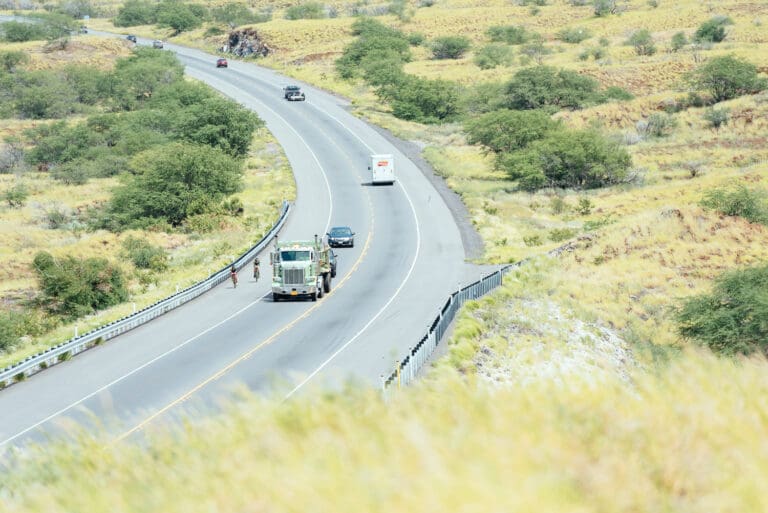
<point>382,169</point>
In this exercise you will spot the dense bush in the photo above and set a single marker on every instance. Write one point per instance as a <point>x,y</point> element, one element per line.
<point>73,287</point>
<point>11,329</point>
<point>308,10</point>
<point>568,159</point>
<point>643,42</point>
<point>482,98</point>
<point>219,123</point>
<point>236,14</point>
<point>493,55</point>
<point>173,182</point>
<point>136,12</point>
<point>741,201</point>
<point>43,94</point>
<point>505,131</point>
<point>544,86</point>
<point>143,254</point>
<point>46,27</point>
<point>449,47</point>
<point>509,34</point>
<point>180,17</point>
<point>658,124</point>
<point>426,101</point>
<point>733,319</point>
<point>16,195</point>
<point>716,117</point>
<point>11,59</point>
<point>373,38</point>
<point>678,41</point>
<point>574,35</point>
<point>727,77</point>
<point>604,7</point>
<point>712,30</point>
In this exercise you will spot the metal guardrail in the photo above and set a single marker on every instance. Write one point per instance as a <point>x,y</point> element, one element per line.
<point>408,368</point>
<point>78,344</point>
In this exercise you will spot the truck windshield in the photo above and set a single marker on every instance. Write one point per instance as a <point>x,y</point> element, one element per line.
<point>294,256</point>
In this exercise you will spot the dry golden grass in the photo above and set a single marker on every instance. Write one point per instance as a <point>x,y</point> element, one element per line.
<point>688,438</point>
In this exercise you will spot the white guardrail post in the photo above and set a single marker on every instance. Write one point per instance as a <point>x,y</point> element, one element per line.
<point>79,343</point>
<point>418,355</point>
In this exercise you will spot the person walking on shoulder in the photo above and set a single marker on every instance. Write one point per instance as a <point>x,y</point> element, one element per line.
<point>233,275</point>
<point>256,269</point>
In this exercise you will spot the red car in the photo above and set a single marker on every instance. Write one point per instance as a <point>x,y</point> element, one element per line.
<point>221,63</point>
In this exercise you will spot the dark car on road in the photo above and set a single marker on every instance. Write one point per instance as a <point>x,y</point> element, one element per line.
<point>296,96</point>
<point>221,62</point>
<point>157,44</point>
<point>131,37</point>
<point>332,259</point>
<point>290,90</point>
<point>341,236</point>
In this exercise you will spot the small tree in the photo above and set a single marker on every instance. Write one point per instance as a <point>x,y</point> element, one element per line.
<point>135,12</point>
<point>605,7</point>
<point>733,319</point>
<point>508,34</point>
<point>574,35</point>
<point>712,30</point>
<point>643,42</point>
<point>678,41</point>
<point>449,47</point>
<point>180,17</point>
<point>726,77</point>
<point>716,117</point>
<point>493,55</point>
<point>16,195</point>
<point>505,131</point>
<point>546,87</point>
<point>309,10</point>
<point>10,60</point>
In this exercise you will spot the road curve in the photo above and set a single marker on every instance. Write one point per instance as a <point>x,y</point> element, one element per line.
<point>407,258</point>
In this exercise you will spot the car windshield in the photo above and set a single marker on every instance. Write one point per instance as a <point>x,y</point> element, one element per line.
<point>294,256</point>
<point>292,88</point>
<point>341,232</point>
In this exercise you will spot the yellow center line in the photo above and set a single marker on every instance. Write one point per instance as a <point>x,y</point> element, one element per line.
<point>251,351</point>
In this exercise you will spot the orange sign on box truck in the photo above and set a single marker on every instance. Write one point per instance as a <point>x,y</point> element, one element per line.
<point>382,169</point>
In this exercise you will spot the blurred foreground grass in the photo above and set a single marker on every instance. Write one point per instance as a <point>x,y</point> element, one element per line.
<point>689,437</point>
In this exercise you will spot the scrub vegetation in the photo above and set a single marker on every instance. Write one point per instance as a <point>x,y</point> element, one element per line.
<point>624,374</point>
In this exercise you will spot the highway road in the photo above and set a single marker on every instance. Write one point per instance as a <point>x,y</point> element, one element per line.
<point>408,257</point>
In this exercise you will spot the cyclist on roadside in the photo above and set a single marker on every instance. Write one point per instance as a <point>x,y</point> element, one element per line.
<point>233,275</point>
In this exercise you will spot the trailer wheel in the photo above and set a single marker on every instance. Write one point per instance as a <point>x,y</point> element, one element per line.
<point>314,296</point>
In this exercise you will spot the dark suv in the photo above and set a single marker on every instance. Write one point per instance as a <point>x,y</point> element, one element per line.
<point>131,37</point>
<point>290,90</point>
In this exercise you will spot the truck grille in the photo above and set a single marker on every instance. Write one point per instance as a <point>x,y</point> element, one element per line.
<point>293,277</point>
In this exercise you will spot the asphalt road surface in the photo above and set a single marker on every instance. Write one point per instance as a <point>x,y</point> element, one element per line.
<point>408,257</point>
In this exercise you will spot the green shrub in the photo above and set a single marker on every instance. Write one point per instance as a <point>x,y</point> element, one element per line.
<point>604,7</point>
<point>16,195</point>
<point>176,181</point>
<point>727,77</point>
<point>482,98</point>
<point>143,254</point>
<point>544,86</point>
<point>235,14</point>
<point>493,55</point>
<point>741,201</point>
<point>135,12</point>
<point>733,319</point>
<point>449,47</point>
<point>561,234</point>
<point>505,131</point>
<point>568,159</point>
<point>585,206</point>
<point>179,16</point>
<point>9,60</point>
<point>712,30</point>
<point>74,287</point>
<point>309,10</point>
<point>425,101</point>
<point>374,38</point>
<point>532,240</point>
<point>717,117</point>
<point>617,93</point>
<point>678,41</point>
<point>220,123</point>
<point>415,38</point>
<point>660,124</point>
<point>213,31</point>
<point>508,34</point>
<point>574,35</point>
<point>643,42</point>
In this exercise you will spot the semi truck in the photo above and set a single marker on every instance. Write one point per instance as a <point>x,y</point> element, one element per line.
<point>300,268</point>
<point>382,169</point>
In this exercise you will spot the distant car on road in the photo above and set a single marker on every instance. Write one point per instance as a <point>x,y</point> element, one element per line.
<point>289,90</point>
<point>131,37</point>
<point>296,96</point>
<point>221,62</point>
<point>157,44</point>
<point>83,29</point>
<point>332,259</point>
<point>341,236</point>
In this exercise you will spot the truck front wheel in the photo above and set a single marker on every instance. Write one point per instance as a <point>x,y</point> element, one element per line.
<point>275,297</point>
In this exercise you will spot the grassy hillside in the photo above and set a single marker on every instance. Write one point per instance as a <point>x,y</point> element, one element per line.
<point>569,388</point>
<point>48,219</point>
